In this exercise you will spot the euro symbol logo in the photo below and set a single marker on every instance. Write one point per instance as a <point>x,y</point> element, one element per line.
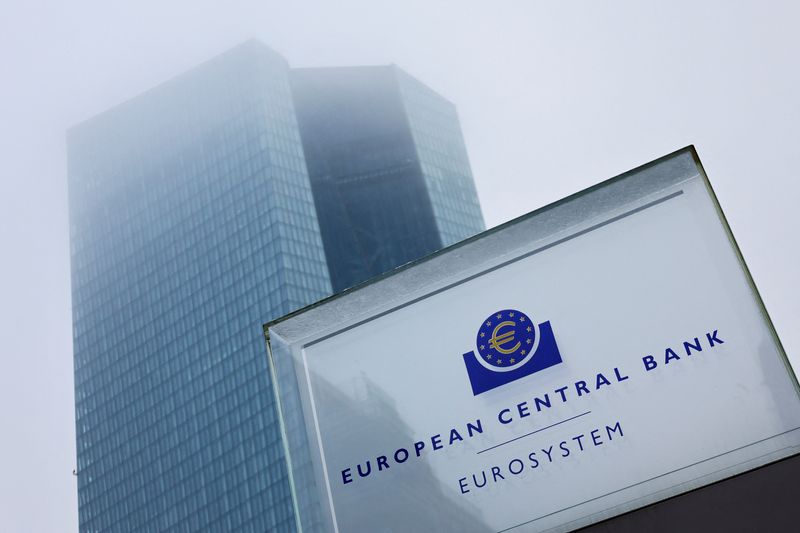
<point>507,340</point>
<point>498,339</point>
<point>508,348</point>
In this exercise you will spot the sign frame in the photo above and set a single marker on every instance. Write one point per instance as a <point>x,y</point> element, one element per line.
<point>598,206</point>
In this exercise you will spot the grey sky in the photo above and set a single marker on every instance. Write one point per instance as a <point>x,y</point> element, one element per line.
<point>553,97</point>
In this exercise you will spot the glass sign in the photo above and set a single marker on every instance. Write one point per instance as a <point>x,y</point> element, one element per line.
<point>597,355</point>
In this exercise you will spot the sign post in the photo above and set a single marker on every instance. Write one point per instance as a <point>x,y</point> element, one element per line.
<point>600,354</point>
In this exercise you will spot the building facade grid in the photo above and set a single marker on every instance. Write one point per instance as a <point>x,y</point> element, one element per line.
<point>195,217</point>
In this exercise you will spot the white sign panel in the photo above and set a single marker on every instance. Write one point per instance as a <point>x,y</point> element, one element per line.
<point>575,364</point>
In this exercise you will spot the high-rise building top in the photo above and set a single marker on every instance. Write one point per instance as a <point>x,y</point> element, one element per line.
<point>193,222</point>
<point>388,168</point>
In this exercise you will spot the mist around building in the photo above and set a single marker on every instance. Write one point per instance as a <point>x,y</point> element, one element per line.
<point>222,199</point>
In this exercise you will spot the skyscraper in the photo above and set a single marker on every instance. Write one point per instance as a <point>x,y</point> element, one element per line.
<point>193,222</point>
<point>388,168</point>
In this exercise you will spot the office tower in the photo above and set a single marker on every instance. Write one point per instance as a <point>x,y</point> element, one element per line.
<point>388,168</point>
<point>193,222</point>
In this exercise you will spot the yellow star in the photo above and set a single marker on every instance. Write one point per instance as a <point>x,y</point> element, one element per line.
<point>528,341</point>
<point>511,314</point>
<point>499,315</point>
<point>488,356</point>
<point>529,328</point>
<point>499,361</point>
<point>488,323</point>
<point>513,361</point>
<point>522,319</point>
<point>483,334</point>
<point>522,352</point>
<point>484,347</point>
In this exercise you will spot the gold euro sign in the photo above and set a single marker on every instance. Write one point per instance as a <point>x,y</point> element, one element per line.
<point>499,339</point>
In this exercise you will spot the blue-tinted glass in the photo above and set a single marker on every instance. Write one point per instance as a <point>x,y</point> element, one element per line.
<point>193,222</point>
<point>443,160</point>
<point>388,168</point>
<point>371,199</point>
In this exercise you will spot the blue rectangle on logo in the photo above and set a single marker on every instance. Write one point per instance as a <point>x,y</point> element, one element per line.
<point>484,379</point>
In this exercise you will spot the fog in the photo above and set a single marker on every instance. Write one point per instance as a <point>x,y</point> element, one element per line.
<point>553,97</point>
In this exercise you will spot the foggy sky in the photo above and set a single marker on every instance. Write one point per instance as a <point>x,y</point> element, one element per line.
<point>553,97</point>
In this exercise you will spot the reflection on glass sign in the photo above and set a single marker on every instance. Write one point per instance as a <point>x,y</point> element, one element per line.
<point>600,354</point>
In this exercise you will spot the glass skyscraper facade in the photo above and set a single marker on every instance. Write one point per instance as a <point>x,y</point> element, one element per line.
<point>193,221</point>
<point>388,168</point>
